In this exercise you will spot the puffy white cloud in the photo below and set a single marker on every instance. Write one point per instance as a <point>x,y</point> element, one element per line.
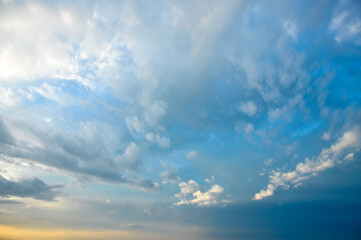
<point>328,158</point>
<point>190,195</point>
<point>209,197</point>
<point>248,108</point>
<point>192,154</point>
<point>265,193</point>
<point>187,188</point>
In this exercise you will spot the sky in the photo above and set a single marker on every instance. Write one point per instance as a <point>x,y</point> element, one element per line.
<point>180,119</point>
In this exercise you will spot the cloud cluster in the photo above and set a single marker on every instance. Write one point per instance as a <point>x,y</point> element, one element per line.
<point>339,152</point>
<point>191,195</point>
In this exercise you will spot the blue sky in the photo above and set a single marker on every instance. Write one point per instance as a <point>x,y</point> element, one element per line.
<point>149,119</point>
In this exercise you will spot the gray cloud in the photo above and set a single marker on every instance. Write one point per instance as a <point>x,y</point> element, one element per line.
<point>34,188</point>
<point>86,152</point>
<point>6,201</point>
<point>5,137</point>
<point>170,176</point>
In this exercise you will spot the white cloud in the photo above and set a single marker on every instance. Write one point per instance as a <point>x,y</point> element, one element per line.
<point>191,195</point>
<point>287,110</point>
<point>154,111</point>
<point>187,188</point>
<point>207,198</point>
<point>346,24</point>
<point>45,53</point>
<point>192,154</point>
<point>211,180</point>
<point>328,158</point>
<point>248,108</point>
<point>7,97</point>
<point>54,93</point>
<point>326,136</point>
<point>268,161</point>
<point>244,127</point>
<point>161,141</point>
<point>291,29</point>
<point>134,125</point>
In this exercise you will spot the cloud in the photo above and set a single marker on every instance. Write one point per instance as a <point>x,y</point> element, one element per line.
<point>54,93</point>
<point>5,136</point>
<point>46,53</point>
<point>161,141</point>
<point>134,125</point>
<point>154,111</point>
<point>187,188</point>
<point>248,108</point>
<point>168,73</point>
<point>245,127</point>
<point>192,154</point>
<point>147,184</point>
<point>170,176</point>
<point>291,29</point>
<point>34,188</point>
<point>330,157</point>
<point>84,152</point>
<point>131,158</point>
<point>345,25</point>
<point>287,111</point>
<point>6,201</point>
<point>190,195</point>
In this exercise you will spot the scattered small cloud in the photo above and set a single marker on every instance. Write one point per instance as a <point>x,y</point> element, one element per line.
<point>191,155</point>
<point>248,108</point>
<point>268,161</point>
<point>309,168</point>
<point>245,127</point>
<point>291,29</point>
